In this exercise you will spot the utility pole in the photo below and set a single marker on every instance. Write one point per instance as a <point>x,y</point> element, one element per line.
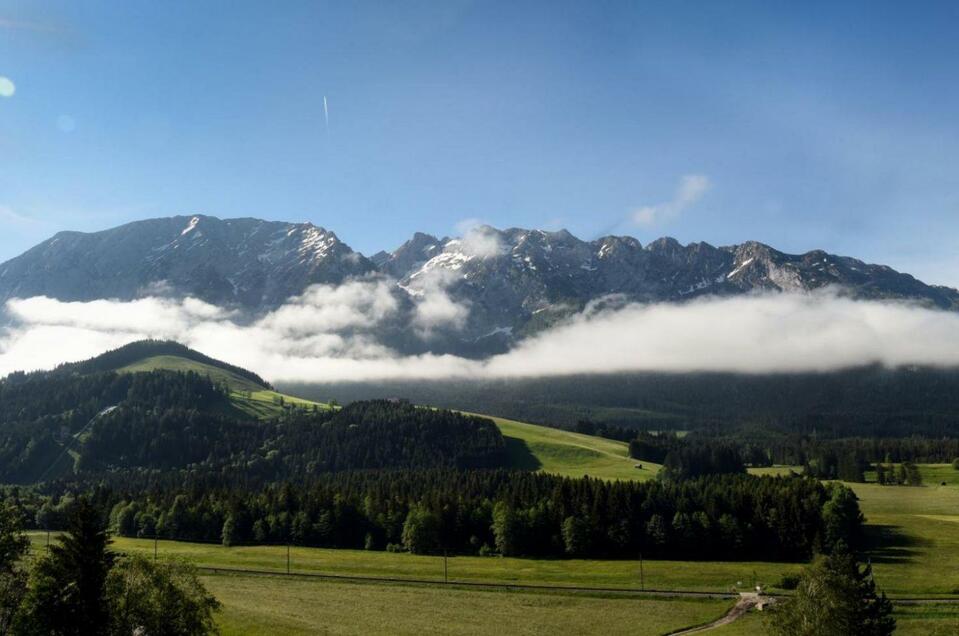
<point>287,557</point>
<point>642,575</point>
<point>446,570</point>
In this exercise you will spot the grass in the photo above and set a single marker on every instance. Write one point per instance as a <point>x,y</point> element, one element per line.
<point>914,533</point>
<point>659,575</point>
<point>246,395</point>
<point>291,606</point>
<point>570,454</point>
<point>911,620</point>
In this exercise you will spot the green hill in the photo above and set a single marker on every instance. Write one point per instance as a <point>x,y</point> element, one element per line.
<point>250,397</point>
<point>529,446</point>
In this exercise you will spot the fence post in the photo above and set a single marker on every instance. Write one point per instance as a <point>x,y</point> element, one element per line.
<point>446,570</point>
<point>642,574</point>
<point>154,547</point>
<point>287,557</point>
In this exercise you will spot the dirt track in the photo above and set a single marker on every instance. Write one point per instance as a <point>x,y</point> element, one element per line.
<point>746,602</point>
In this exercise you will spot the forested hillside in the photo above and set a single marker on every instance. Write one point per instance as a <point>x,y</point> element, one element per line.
<point>89,419</point>
<point>867,401</point>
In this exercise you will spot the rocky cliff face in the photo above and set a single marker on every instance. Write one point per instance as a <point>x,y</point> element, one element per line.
<point>516,280</point>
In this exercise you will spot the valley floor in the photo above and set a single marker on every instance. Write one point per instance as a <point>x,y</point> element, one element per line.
<point>914,533</point>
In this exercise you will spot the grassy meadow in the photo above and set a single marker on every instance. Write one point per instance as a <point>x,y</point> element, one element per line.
<point>911,620</point>
<point>286,607</point>
<point>570,454</point>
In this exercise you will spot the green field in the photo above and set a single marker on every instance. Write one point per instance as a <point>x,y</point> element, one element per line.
<point>287,607</point>
<point>660,575</point>
<point>911,620</point>
<point>571,454</point>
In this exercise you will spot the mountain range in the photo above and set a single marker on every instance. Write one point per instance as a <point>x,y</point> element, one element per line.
<point>513,282</point>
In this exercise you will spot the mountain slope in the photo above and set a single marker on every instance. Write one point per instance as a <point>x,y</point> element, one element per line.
<point>243,262</point>
<point>503,284</point>
<point>518,280</point>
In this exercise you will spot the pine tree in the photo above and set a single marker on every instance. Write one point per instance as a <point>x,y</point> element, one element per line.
<point>835,598</point>
<point>67,588</point>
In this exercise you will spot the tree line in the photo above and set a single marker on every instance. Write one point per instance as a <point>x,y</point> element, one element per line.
<point>494,512</point>
<point>845,459</point>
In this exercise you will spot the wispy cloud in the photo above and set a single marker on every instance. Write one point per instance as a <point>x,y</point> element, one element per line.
<point>465,226</point>
<point>326,114</point>
<point>12,219</point>
<point>692,188</point>
<point>7,87</point>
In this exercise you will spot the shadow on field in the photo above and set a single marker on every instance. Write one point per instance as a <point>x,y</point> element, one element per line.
<point>520,455</point>
<point>889,544</point>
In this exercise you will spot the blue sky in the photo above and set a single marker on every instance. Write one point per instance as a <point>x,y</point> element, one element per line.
<point>803,125</point>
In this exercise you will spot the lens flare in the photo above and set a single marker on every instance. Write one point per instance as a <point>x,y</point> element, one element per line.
<point>7,87</point>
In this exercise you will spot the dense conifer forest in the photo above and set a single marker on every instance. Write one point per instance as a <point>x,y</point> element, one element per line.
<point>489,511</point>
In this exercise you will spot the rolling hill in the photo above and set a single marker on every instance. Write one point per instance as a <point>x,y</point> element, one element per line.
<point>251,398</point>
<point>85,395</point>
<point>529,446</point>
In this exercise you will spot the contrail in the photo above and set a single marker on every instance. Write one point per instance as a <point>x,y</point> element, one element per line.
<point>326,115</point>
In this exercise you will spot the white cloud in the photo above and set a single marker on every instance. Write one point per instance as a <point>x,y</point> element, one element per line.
<point>482,242</point>
<point>326,308</point>
<point>331,334</point>
<point>7,87</point>
<point>434,308</point>
<point>692,188</point>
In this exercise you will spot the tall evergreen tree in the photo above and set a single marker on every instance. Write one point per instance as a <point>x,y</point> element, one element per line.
<point>835,597</point>
<point>13,546</point>
<point>67,588</point>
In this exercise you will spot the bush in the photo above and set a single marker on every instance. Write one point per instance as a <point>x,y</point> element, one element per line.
<point>788,582</point>
<point>150,598</point>
<point>955,463</point>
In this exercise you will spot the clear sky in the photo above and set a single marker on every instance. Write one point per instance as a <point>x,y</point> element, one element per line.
<point>805,125</point>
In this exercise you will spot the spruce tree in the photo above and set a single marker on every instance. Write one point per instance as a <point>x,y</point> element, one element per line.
<point>67,589</point>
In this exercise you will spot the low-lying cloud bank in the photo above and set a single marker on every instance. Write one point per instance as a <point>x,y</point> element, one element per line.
<point>331,334</point>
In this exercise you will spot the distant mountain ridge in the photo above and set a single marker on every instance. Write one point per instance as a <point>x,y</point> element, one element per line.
<point>514,282</point>
<point>244,262</point>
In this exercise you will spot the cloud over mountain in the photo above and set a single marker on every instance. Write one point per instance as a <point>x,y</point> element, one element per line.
<point>331,333</point>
